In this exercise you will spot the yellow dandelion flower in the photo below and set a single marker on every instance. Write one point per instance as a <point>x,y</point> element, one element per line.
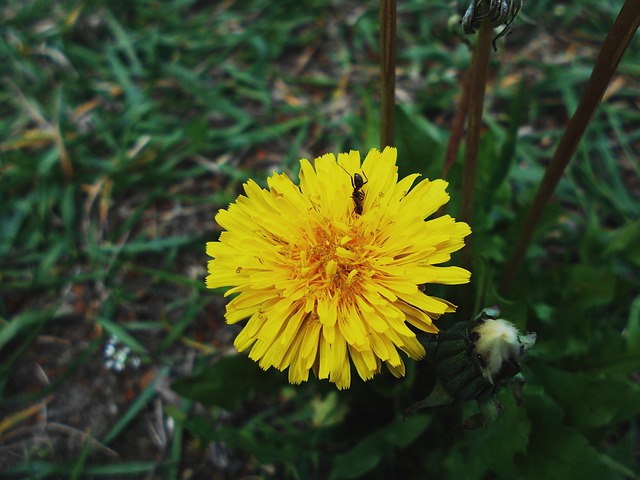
<point>327,277</point>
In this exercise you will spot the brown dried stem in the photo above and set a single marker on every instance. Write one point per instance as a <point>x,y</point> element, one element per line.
<point>477,89</point>
<point>387,72</point>
<point>610,55</point>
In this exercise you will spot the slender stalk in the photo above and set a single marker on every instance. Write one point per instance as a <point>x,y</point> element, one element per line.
<point>477,89</point>
<point>458,125</point>
<point>387,72</point>
<point>610,55</point>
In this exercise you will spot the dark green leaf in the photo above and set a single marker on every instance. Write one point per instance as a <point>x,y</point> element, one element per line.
<point>364,457</point>
<point>555,450</point>
<point>228,382</point>
<point>591,400</point>
<point>420,144</point>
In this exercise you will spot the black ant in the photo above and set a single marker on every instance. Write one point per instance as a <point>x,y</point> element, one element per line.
<point>357,182</point>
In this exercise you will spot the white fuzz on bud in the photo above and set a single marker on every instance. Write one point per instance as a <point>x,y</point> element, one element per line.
<point>497,342</point>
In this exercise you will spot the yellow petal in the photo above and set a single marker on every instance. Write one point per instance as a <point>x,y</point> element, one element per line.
<point>324,285</point>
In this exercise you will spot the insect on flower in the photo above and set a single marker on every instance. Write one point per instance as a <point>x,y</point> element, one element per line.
<point>357,182</point>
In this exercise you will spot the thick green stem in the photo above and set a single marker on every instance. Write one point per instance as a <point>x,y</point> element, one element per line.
<point>610,55</point>
<point>387,72</point>
<point>476,103</point>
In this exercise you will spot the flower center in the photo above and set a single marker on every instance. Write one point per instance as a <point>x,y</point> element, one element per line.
<point>335,261</point>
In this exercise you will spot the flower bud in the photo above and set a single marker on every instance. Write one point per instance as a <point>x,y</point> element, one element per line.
<point>497,12</point>
<point>474,360</point>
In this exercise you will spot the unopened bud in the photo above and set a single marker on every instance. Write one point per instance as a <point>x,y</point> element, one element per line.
<point>496,12</point>
<point>475,359</point>
<point>498,346</point>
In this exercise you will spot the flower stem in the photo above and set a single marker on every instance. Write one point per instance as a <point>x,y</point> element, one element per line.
<point>477,88</point>
<point>457,127</point>
<point>610,55</point>
<point>387,72</point>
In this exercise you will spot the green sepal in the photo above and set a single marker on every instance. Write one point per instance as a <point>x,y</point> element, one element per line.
<point>477,389</point>
<point>449,348</point>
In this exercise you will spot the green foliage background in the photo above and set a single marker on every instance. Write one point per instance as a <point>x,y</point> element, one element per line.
<point>126,125</point>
